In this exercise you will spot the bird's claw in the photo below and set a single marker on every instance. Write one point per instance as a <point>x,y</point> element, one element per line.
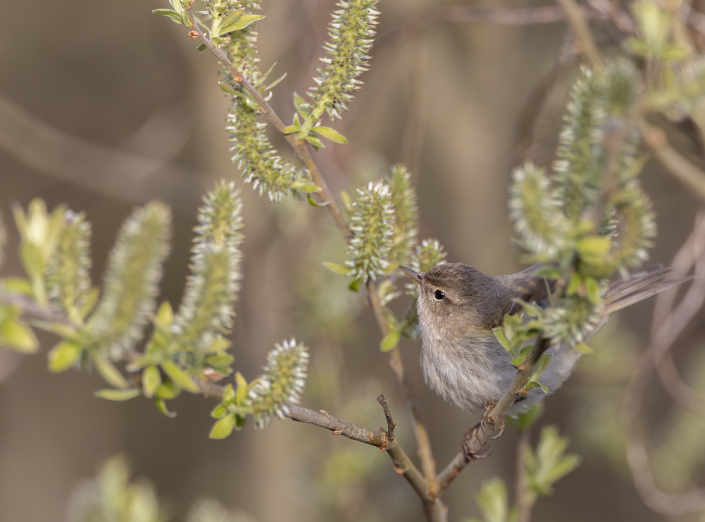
<point>485,452</point>
<point>501,427</point>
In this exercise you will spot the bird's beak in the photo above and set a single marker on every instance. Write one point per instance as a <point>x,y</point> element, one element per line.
<point>413,275</point>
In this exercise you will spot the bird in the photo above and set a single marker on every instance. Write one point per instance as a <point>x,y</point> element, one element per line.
<point>458,306</point>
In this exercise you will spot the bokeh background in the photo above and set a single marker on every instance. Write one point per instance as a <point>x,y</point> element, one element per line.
<point>104,106</point>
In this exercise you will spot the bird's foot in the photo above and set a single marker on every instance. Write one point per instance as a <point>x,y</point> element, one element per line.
<point>470,454</point>
<point>489,405</point>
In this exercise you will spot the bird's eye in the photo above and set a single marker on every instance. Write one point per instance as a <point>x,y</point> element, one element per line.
<point>439,295</point>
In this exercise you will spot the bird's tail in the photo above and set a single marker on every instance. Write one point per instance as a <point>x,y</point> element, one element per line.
<point>638,286</point>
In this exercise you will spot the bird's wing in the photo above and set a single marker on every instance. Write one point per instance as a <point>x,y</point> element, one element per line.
<point>527,287</point>
<point>640,285</point>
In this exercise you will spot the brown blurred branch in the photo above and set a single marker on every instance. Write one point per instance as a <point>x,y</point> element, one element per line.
<point>662,340</point>
<point>578,21</point>
<point>469,15</point>
<point>691,254</point>
<point>682,169</point>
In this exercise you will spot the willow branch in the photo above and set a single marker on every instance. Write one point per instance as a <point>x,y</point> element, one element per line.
<point>578,21</point>
<point>379,439</point>
<point>300,147</point>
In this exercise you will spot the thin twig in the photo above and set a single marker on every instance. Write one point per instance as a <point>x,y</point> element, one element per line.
<point>578,21</point>
<point>402,463</point>
<point>390,421</point>
<point>300,147</point>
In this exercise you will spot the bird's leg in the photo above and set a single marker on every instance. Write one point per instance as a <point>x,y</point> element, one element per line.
<point>488,408</point>
<point>470,435</point>
<point>485,452</point>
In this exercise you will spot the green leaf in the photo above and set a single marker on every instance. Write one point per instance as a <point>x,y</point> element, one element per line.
<point>176,4</point>
<point>175,17</point>
<point>337,269</point>
<point>330,134</point>
<point>313,203</point>
<point>535,384</point>
<point>390,341</point>
<point>237,23</point>
<point>63,356</point>
<point>306,187</point>
<point>315,141</point>
<point>228,394</point>
<point>502,338</point>
<point>32,259</point>
<point>108,372</point>
<point>354,285</point>
<point>202,47</point>
<point>592,288</point>
<point>118,395</point>
<point>151,380</point>
<point>18,285</point>
<point>165,315</point>
<point>167,391</point>
<point>161,406</point>
<point>242,389</point>
<point>179,376</point>
<point>223,427</point>
<point>574,285</point>
<point>19,336</point>
<point>301,106</point>
<point>219,411</point>
<point>549,272</point>
<point>583,348</point>
<point>275,82</point>
<point>221,359</point>
<point>593,249</point>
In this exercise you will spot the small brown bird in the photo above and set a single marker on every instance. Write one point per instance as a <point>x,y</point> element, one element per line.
<point>459,306</point>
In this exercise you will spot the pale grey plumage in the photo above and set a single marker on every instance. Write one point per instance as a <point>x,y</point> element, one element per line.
<point>460,356</point>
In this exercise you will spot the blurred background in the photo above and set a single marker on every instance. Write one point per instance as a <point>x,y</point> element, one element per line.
<point>104,106</point>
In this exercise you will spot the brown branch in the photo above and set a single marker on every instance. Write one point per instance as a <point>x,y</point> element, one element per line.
<point>379,439</point>
<point>469,15</point>
<point>578,21</point>
<point>682,169</point>
<point>300,147</point>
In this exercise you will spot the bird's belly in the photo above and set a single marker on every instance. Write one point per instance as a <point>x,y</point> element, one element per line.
<point>467,375</point>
